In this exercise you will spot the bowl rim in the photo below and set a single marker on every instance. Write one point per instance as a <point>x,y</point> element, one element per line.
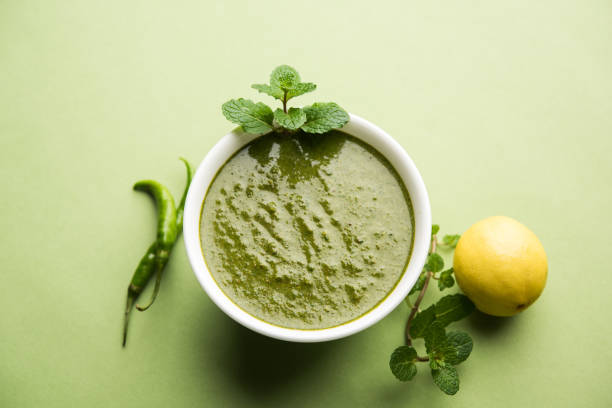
<point>410,176</point>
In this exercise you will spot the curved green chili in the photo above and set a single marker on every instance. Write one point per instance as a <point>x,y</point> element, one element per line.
<point>166,235</point>
<point>141,277</point>
<point>156,257</point>
<point>166,229</point>
<point>162,258</point>
<point>166,212</point>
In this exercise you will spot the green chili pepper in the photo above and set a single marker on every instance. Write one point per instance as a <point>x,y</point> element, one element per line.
<point>162,258</point>
<point>141,277</point>
<point>166,212</point>
<point>157,255</point>
<point>158,252</point>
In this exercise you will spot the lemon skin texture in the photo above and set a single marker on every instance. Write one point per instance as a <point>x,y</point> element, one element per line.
<point>500,265</point>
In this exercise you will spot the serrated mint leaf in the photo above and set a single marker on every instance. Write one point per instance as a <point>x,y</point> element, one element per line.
<point>435,338</point>
<point>300,89</point>
<point>451,240</point>
<point>421,322</point>
<point>293,119</point>
<point>435,263</point>
<point>285,83</point>
<point>447,379</point>
<point>254,117</point>
<point>452,308</point>
<point>439,347</point>
<point>434,229</point>
<point>419,283</point>
<point>462,343</point>
<point>448,309</point>
<point>446,279</point>
<point>323,117</point>
<point>284,77</point>
<point>275,92</point>
<point>402,363</point>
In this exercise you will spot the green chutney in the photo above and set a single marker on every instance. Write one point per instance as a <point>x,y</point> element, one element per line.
<point>307,231</point>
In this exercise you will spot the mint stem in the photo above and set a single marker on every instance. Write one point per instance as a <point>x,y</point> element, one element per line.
<point>285,102</point>
<point>415,308</point>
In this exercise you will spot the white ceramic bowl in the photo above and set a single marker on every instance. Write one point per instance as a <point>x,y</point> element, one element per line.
<point>361,129</point>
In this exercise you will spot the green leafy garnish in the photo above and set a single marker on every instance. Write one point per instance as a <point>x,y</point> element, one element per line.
<point>451,240</point>
<point>323,117</point>
<point>292,120</point>
<point>446,279</point>
<point>443,349</point>
<point>435,341</point>
<point>402,363</point>
<point>253,117</point>
<point>462,342</point>
<point>285,84</point>
<point>447,379</point>
<point>301,89</point>
<point>284,77</point>
<point>422,321</point>
<point>452,308</point>
<point>449,309</point>
<point>435,263</point>
<point>270,90</point>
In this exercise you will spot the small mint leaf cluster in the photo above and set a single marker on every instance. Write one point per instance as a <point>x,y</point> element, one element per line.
<point>285,84</point>
<point>444,349</point>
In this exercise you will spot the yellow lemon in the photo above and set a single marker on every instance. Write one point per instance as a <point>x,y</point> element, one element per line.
<point>500,265</point>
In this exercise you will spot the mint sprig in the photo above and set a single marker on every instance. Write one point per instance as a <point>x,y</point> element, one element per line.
<point>444,350</point>
<point>285,84</point>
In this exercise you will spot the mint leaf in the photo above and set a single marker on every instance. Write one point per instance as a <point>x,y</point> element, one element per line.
<point>300,89</point>
<point>448,309</point>
<point>402,363</point>
<point>284,77</point>
<point>462,343</point>
<point>447,379</point>
<point>285,84</point>
<point>323,117</point>
<point>422,321</point>
<point>451,240</point>
<point>435,263</point>
<point>446,279</point>
<point>435,338</point>
<point>292,120</point>
<point>452,308</point>
<point>440,348</point>
<point>434,229</point>
<point>419,283</point>
<point>275,92</point>
<point>254,117</point>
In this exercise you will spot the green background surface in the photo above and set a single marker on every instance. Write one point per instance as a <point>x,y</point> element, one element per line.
<point>505,107</point>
